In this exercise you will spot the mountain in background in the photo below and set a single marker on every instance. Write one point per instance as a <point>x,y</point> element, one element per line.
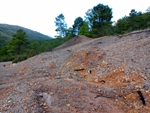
<point>6,32</point>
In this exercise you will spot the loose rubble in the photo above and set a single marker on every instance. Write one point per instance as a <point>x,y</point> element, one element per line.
<point>89,76</point>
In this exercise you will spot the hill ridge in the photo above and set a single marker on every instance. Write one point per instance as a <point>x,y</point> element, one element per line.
<point>12,29</point>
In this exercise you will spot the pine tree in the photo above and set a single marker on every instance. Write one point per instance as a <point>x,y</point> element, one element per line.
<point>17,45</point>
<point>77,25</point>
<point>99,19</point>
<point>84,30</point>
<point>61,26</point>
<point>36,47</point>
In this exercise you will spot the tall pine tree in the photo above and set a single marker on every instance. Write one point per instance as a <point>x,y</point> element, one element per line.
<point>77,25</point>
<point>99,19</point>
<point>17,45</point>
<point>61,26</point>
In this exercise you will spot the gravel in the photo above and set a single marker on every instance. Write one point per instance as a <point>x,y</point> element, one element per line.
<point>126,69</point>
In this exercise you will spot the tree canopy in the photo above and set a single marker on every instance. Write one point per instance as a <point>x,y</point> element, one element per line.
<point>61,26</point>
<point>84,30</point>
<point>99,19</point>
<point>77,25</point>
<point>135,21</point>
<point>18,43</point>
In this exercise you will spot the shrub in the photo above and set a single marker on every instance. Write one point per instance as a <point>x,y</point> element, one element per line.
<point>6,58</point>
<point>19,58</point>
<point>30,53</point>
<point>122,32</point>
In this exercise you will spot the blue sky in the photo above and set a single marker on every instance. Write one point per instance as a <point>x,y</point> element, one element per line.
<point>39,15</point>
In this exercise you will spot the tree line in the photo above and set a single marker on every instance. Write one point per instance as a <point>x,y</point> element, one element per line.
<point>20,48</point>
<point>97,23</point>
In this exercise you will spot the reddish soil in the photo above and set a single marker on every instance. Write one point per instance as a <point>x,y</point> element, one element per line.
<point>83,75</point>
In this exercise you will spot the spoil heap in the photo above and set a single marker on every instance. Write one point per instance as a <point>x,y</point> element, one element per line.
<point>82,75</point>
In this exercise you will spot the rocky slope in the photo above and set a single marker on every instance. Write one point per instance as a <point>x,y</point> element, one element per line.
<point>93,75</point>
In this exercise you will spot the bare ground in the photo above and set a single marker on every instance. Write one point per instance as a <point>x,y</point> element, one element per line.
<point>93,75</point>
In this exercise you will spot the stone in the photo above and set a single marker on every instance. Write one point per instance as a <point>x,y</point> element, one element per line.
<point>145,78</point>
<point>44,104</point>
<point>68,105</point>
<point>147,91</point>
<point>104,63</point>
<point>58,77</point>
<point>90,71</point>
<point>96,80</point>
<point>102,81</point>
<point>40,94</point>
<point>41,62</point>
<point>51,93</point>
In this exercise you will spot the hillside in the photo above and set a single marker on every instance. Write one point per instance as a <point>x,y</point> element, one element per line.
<point>81,76</point>
<point>74,41</point>
<point>6,32</point>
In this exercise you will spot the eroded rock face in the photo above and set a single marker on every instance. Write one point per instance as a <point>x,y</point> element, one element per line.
<point>96,75</point>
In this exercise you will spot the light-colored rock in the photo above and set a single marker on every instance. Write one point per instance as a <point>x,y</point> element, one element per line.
<point>96,80</point>
<point>104,63</point>
<point>51,93</point>
<point>68,105</point>
<point>44,104</point>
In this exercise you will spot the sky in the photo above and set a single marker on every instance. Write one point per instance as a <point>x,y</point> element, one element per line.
<point>39,15</point>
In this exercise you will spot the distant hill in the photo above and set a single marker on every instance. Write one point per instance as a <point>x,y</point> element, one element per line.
<point>6,32</point>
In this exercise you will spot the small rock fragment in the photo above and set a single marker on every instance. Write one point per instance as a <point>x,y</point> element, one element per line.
<point>4,106</point>
<point>90,71</point>
<point>102,81</point>
<point>95,109</point>
<point>14,63</point>
<point>116,99</point>
<point>58,77</point>
<point>9,101</point>
<point>45,107</point>
<point>40,94</point>
<point>142,90</point>
<point>68,105</point>
<point>96,80</point>
<point>41,62</point>
<point>147,91</point>
<point>51,93</point>
<point>104,63</point>
<point>145,78</point>
<point>44,104</point>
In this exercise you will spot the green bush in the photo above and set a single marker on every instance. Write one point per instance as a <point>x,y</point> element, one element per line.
<point>6,58</point>
<point>122,32</point>
<point>19,58</point>
<point>30,53</point>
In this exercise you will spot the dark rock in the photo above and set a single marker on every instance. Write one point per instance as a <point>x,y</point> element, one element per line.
<point>102,81</point>
<point>79,69</point>
<point>141,97</point>
<point>58,77</point>
<point>90,71</point>
<point>99,42</point>
<point>40,94</point>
